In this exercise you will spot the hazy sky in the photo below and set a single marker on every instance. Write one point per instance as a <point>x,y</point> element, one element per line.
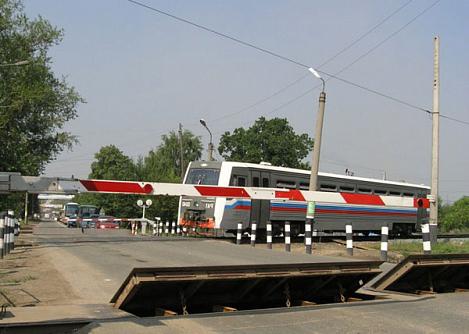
<point>142,73</point>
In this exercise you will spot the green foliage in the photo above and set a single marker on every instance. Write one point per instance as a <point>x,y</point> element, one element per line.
<point>160,165</point>
<point>455,217</point>
<point>34,103</point>
<point>272,141</point>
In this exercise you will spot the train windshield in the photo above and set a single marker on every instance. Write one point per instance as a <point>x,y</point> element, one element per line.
<point>203,176</point>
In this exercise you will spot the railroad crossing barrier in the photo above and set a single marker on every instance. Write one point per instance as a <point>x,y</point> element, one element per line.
<point>427,245</point>
<point>287,237</point>
<point>427,274</point>
<point>308,238</point>
<point>253,234</point>
<point>349,237</point>
<point>269,234</point>
<point>239,233</point>
<point>190,290</point>
<point>384,243</point>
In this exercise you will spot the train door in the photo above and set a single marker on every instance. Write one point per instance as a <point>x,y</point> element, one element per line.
<point>260,209</point>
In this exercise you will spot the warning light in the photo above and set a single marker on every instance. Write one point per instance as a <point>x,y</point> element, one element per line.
<point>420,203</point>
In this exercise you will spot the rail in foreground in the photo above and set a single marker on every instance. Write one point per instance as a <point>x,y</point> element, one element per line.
<point>189,290</point>
<point>427,274</point>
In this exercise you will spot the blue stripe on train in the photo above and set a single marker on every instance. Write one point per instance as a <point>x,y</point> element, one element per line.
<point>322,207</point>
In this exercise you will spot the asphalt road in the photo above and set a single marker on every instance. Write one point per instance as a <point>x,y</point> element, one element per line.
<point>97,262</point>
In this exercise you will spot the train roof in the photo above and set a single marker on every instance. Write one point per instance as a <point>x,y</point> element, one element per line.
<point>305,172</point>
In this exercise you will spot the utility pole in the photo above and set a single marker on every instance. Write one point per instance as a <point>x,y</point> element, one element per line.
<point>181,147</point>
<point>435,141</point>
<point>313,179</point>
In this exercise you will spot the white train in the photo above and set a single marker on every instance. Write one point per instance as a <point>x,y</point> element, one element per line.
<point>220,216</point>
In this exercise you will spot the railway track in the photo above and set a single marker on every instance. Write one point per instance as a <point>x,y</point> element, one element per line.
<point>356,238</point>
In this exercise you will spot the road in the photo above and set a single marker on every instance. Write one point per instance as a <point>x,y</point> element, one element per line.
<point>95,263</point>
<point>104,258</point>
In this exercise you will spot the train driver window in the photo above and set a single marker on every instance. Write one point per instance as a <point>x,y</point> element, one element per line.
<point>255,181</point>
<point>241,181</point>
<point>265,182</point>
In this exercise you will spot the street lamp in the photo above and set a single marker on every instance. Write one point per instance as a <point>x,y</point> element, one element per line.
<point>313,180</point>
<point>210,144</point>
<point>144,206</point>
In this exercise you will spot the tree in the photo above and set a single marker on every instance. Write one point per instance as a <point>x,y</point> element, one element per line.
<point>34,104</point>
<point>272,141</point>
<point>164,165</point>
<point>456,216</point>
<point>112,164</point>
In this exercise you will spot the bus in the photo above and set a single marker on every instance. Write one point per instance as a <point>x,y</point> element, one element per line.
<point>221,215</point>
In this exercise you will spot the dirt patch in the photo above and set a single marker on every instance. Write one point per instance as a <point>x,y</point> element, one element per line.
<point>28,278</point>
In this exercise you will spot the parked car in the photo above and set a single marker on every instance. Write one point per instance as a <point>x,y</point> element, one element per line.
<point>104,222</point>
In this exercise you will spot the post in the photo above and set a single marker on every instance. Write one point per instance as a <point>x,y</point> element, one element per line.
<point>166,231</point>
<point>253,234</point>
<point>184,231</point>
<point>384,243</point>
<point>173,228</point>
<point>181,147</point>
<point>349,237</point>
<point>210,149</point>
<point>287,237</point>
<point>2,227</point>
<point>269,234</point>
<point>239,233</point>
<point>26,205</point>
<point>435,141</point>
<point>308,238</point>
<point>160,228</point>
<point>178,230</point>
<point>427,246</point>
<point>5,235</point>
<point>144,227</point>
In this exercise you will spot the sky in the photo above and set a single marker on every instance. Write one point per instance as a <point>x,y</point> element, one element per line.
<point>142,73</point>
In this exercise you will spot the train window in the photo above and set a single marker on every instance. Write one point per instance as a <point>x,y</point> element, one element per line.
<point>304,186</point>
<point>328,187</point>
<point>364,190</point>
<point>286,184</point>
<point>408,194</point>
<point>241,181</point>
<point>394,193</point>
<point>265,182</point>
<point>380,192</point>
<point>255,182</point>
<point>347,189</point>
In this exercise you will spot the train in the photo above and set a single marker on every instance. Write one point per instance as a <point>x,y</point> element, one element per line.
<point>220,216</point>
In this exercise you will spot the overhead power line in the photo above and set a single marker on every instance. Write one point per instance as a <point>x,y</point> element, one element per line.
<point>293,61</point>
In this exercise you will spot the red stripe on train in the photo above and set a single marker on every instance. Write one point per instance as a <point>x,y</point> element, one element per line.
<point>362,199</point>
<point>116,187</point>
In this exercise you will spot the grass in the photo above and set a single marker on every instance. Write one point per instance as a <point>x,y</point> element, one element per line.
<point>415,247</point>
